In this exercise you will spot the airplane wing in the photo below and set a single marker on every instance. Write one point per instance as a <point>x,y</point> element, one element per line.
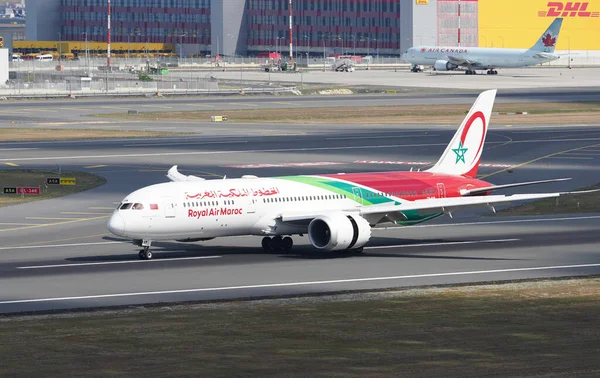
<point>470,192</point>
<point>461,61</point>
<point>174,175</point>
<point>385,213</point>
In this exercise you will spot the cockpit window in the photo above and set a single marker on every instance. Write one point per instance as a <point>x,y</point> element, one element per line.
<point>138,206</point>
<point>125,206</point>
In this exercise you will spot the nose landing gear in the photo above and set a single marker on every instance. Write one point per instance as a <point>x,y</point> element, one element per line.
<point>492,72</point>
<point>145,254</point>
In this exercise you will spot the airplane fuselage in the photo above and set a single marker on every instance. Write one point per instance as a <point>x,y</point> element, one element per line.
<point>486,58</point>
<point>198,210</point>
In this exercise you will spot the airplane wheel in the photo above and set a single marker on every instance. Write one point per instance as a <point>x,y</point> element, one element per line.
<point>148,255</point>
<point>141,255</point>
<point>495,72</point>
<point>266,243</point>
<point>490,72</point>
<point>287,243</point>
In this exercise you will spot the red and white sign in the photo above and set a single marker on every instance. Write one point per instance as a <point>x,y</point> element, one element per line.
<point>29,191</point>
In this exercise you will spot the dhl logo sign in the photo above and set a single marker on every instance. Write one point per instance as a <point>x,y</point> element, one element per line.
<point>567,9</point>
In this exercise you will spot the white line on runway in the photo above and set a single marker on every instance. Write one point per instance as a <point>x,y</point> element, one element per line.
<point>304,283</point>
<point>384,137</point>
<point>183,143</point>
<point>118,262</point>
<point>190,153</point>
<point>61,245</point>
<point>443,243</point>
<point>17,149</point>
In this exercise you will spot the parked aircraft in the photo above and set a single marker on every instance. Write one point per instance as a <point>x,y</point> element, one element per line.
<point>336,211</point>
<point>444,58</point>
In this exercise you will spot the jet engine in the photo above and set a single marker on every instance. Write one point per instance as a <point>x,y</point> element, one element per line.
<point>339,231</point>
<point>444,65</point>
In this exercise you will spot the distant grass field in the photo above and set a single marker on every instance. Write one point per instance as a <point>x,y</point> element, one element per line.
<point>37,178</point>
<point>535,329</point>
<point>34,134</point>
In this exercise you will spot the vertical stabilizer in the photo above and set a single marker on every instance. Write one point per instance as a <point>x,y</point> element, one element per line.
<point>549,39</point>
<point>461,157</point>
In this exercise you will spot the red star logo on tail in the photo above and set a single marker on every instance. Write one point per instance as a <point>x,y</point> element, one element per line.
<point>548,40</point>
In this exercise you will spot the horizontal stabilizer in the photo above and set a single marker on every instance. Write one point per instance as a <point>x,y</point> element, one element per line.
<point>471,192</point>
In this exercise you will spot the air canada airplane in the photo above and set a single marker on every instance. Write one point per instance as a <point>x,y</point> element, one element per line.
<point>336,211</point>
<point>485,58</point>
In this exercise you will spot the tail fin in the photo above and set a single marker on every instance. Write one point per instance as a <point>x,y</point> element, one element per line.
<point>461,157</point>
<point>549,39</point>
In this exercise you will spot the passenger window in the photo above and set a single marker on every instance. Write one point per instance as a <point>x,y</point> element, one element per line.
<point>126,206</point>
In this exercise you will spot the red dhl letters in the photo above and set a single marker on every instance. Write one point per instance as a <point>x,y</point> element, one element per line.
<point>213,212</point>
<point>567,9</point>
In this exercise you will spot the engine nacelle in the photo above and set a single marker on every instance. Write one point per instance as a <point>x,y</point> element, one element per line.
<point>339,231</point>
<point>444,65</point>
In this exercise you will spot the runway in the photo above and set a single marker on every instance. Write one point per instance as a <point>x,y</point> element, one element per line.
<point>58,254</point>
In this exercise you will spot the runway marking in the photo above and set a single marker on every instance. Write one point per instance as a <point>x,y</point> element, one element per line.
<point>12,164</point>
<point>224,152</point>
<point>60,245</point>
<point>118,262</point>
<point>199,143</point>
<point>82,213</point>
<point>50,218</point>
<point>17,149</point>
<point>444,243</point>
<point>70,220</point>
<point>249,105</point>
<point>18,224</point>
<point>96,166</point>
<point>384,137</point>
<point>157,106</point>
<point>571,157</point>
<point>303,283</point>
<point>267,165</point>
<point>536,159</point>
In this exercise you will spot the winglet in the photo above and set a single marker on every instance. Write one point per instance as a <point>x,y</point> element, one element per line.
<point>461,157</point>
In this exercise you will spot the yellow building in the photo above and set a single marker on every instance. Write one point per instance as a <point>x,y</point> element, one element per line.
<point>518,23</point>
<point>95,49</point>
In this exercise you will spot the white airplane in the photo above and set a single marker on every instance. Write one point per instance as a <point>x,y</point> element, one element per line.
<point>336,211</point>
<point>444,58</point>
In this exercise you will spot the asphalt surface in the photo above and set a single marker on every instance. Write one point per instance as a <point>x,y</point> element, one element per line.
<point>58,254</point>
<point>75,113</point>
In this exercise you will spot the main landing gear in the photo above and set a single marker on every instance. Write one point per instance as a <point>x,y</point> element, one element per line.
<point>470,72</point>
<point>492,72</point>
<point>277,244</point>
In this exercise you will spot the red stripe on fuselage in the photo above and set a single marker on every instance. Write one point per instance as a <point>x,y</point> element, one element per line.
<point>391,182</point>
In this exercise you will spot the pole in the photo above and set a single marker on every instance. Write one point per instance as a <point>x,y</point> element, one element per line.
<point>291,58</point>
<point>458,23</point>
<point>108,45</point>
<point>59,48</point>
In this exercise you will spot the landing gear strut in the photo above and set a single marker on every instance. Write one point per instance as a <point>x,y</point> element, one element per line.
<point>277,244</point>
<point>145,254</point>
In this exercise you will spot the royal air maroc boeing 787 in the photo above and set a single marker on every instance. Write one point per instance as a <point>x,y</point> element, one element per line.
<point>336,211</point>
<point>444,58</point>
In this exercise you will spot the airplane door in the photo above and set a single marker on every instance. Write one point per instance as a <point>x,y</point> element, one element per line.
<point>441,190</point>
<point>251,205</point>
<point>169,206</point>
<point>357,196</point>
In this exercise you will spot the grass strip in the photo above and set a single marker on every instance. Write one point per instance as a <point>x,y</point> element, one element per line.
<point>521,329</point>
<point>37,178</point>
<point>548,113</point>
<point>565,204</point>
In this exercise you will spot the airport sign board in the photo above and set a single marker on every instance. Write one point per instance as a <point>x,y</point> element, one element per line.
<point>29,191</point>
<point>52,180</point>
<point>10,190</point>
<point>67,181</point>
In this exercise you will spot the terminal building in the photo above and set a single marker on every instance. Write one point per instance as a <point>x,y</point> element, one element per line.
<point>319,27</point>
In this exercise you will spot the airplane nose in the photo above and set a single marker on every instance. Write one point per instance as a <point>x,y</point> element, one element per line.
<point>116,224</point>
